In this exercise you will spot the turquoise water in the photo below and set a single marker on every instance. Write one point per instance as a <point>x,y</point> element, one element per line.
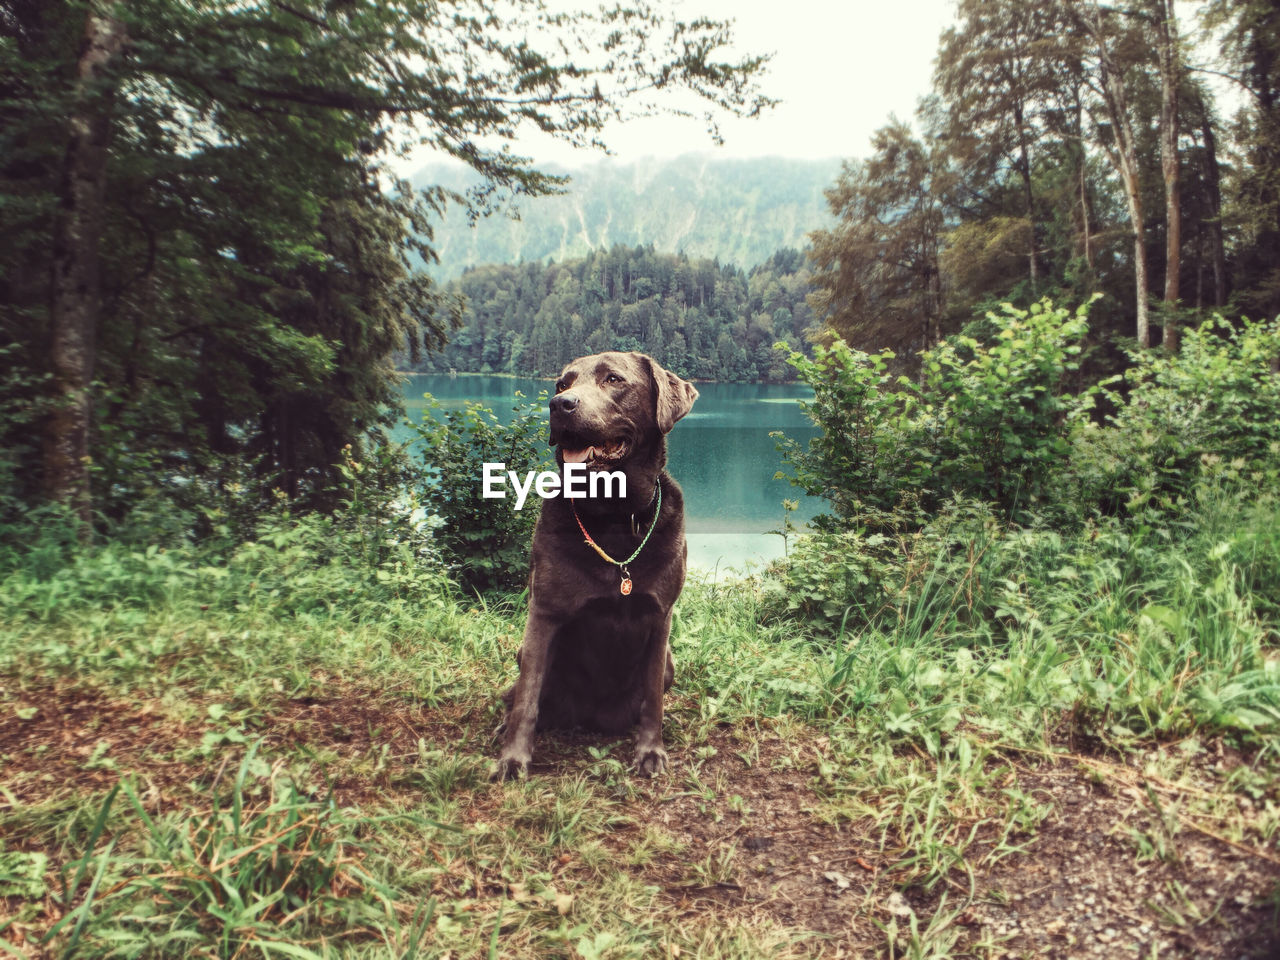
<point>721,453</point>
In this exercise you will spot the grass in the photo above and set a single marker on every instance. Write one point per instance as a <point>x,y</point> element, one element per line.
<point>286,756</point>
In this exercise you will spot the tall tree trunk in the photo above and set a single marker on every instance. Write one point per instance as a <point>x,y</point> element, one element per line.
<point>1125,156</point>
<point>76,300</point>
<point>1199,249</point>
<point>1126,159</point>
<point>1170,79</point>
<point>1024,168</point>
<point>1086,224</point>
<point>1210,175</point>
<point>1082,154</point>
<point>1137,222</point>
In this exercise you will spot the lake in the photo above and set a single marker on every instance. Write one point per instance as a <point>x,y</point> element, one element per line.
<point>721,454</point>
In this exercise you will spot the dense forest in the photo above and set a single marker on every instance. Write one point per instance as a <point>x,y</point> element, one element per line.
<point>208,258</point>
<point>1068,149</point>
<point>698,318</point>
<point>206,245</point>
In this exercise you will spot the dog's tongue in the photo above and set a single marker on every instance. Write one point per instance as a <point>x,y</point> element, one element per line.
<point>577,456</point>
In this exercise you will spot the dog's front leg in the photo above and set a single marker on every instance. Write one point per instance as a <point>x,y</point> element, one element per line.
<point>522,717</point>
<point>651,758</point>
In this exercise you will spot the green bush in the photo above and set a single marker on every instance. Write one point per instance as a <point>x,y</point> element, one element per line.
<point>831,579</point>
<point>951,575</point>
<point>999,412</point>
<point>975,502</point>
<point>990,421</point>
<point>317,562</point>
<point>290,566</point>
<point>1209,412</point>
<point>362,561</point>
<point>863,463</point>
<point>485,541</point>
<point>1253,548</point>
<point>993,420</point>
<point>1130,629</point>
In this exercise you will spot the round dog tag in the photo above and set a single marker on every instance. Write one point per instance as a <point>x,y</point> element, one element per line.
<point>625,586</point>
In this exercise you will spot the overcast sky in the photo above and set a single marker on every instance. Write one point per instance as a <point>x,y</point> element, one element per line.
<point>840,68</point>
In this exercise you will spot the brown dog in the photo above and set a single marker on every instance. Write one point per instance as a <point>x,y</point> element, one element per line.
<point>595,652</point>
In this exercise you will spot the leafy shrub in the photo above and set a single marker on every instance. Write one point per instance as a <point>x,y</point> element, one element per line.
<point>374,553</point>
<point>1208,412</point>
<point>991,421</point>
<point>863,463</point>
<point>999,411</point>
<point>485,541</point>
<point>318,562</point>
<point>311,563</point>
<point>950,574</point>
<point>1129,629</point>
<point>832,579</point>
<point>918,474</point>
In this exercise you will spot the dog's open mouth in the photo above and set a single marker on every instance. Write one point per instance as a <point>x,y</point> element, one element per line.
<point>593,454</point>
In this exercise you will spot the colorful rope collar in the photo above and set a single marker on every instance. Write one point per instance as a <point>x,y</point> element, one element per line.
<point>625,587</point>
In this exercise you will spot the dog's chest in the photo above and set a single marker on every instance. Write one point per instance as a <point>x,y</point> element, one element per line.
<point>608,640</point>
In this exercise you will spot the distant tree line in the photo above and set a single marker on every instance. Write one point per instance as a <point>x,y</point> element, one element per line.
<point>1068,149</point>
<point>699,318</point>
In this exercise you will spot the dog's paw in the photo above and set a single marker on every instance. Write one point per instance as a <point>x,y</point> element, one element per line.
<point>509,768</point>
<point>651,761</point>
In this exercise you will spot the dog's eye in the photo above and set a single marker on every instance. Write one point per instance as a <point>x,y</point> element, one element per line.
<point>613,378</point>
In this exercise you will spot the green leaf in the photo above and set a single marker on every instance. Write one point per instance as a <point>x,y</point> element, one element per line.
<point>23,874</point>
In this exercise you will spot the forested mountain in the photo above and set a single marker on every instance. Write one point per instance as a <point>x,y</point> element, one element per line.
<point>697,317</point>
<point>737,210</point>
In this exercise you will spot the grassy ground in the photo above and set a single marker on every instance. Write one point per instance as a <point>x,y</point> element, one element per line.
<point>1041,748</point>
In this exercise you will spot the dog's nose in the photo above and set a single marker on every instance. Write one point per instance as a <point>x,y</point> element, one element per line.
<point>564,403</point>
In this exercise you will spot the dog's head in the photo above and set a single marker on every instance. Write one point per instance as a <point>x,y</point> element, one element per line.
<point>610,405</point>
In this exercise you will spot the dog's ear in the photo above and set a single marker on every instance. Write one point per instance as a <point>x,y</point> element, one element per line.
<point>673,397</point>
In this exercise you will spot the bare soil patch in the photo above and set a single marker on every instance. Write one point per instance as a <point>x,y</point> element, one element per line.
<point>754,846</point>
<point>1081,889</point>
<point>59,737</point>
<point>741,807</point>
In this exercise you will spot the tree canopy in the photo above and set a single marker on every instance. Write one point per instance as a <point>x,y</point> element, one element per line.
<point>1068,149</point>
<point>208,259</point>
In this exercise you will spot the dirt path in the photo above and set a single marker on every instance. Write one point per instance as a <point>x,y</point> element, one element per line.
<point>1112,870</point>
